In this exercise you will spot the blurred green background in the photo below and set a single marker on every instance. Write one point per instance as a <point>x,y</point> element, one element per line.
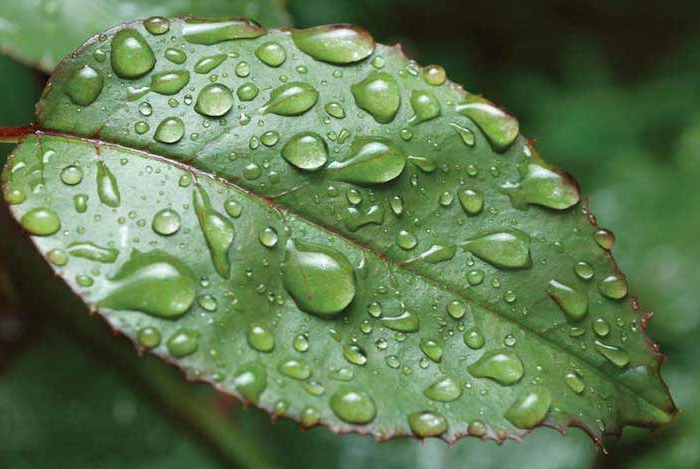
<point>610,92</point>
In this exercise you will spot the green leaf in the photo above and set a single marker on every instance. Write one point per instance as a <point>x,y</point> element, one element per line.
<point>41,33</point>
<point>324,287</point>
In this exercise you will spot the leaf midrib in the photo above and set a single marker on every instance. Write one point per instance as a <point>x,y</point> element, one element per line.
<point>271,201</point>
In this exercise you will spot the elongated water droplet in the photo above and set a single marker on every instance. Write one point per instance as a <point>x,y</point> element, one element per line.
<point>601,327</point>
<point>605,239</point>
<point>435,254</point>
<point>472,201</point>
<point>431,349</point>
<point>214,100</point>
<point>208,31</point>
<point>260,338</point>
<point>41,221</point>
<point>613,287</point>
<point>500,128</point>
<point>404,322</point>
<point>170,130</point>
<point>443,389</point>
<point>85,86</point>
<point>295,369</point>
<point>372,160</point>
<point>306,150</point>
<point>543,186</point>
<point>353,405</point>
<point>354,354</point>
<point>14,196</point>
<point>503,366</point>
<point>183,342</point>
<point>250,380</point>
<point>427,424</point>
<point>424,164</point>
<point>506,249</point>
<point>175,55</point>
<point>208,63</point>
<point>80,202</point>
<point>574,303</point>
<point>93,252</point>
<point>133,287</point>
<point>474,339</point>
<point>217,230</point>
<point>615,355</point>
<point>169,83</point>
<point>130,54</point>
<point>425,107</point>
<point>271,53</point>
<point>530,408</point>
<point>107,188</point>
<point>466,134</point>
<point>320,279</point>
<point>291,99</point>
<point>378,94</point>
<point>335,43</point>
<point>157,25</point>
<point>574,381</point>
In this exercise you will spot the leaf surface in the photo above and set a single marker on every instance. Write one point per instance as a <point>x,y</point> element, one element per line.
<point>359,244</point>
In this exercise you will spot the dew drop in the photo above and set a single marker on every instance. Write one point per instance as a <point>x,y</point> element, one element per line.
<point>130,54</point>
<point>271,53</point>
<point>404,322</point>
<point>530,407</point>
<point>214,100</point>
<point>41,221</point>
<point>372,160</point>
<point>183,342</point>
<point>295,369</point>
<point>353,405</point>
<point>170,82</point>
<point>472,201</point>
<point>268,237</point>
<point>615,355</point>
<point>166,222</point>
<point>208,31</point>
<point>378,94</point>
<point>505,249</point>
<point>260,338</point>
<point>170,130</point>
<point>337,44</point>
<point>443,390</point>
<point>503,366</point>
<point>291,99</point>
<point>306,150</point>
<point>500,128</point>
<point>208,63</point>
<point>218,231</point>
<point>354,354</point>
<point>425,107</point>
<point>573,302</point>
<point>613,287</point>
<point>85,86</point>
<point>474,339</point>
<point>434,75</point>
<point>250,380</point>
<point>149,337</point>
<point>427,424</point>
<point>157,25</point>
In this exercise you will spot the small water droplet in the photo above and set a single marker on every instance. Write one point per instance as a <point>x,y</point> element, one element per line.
<point>149,337</point>
<point>474,339</point>
<point>353,405</point>
<point>183,342</point>
<point>500,128</point>
<point>354,354</point>
<point>260,338</point>
<point>613,287</point>
<point>427,424</point>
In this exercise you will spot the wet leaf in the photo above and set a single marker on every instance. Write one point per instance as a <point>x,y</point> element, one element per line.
<point>306,282</point>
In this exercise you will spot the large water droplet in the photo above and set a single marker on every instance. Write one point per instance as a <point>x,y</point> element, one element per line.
<point>474,339</point>
<point>260,338</point>
<point>208,63</point>
<point>500,128</point>
<point>170,82</point>
<point>157,25</point>
<point>175,55</point>
<point>218,231</point>
<point>295,369</point>
<point>404,322</point>
<point>271,53</point>
<point>214,100</point>
<point>543,186</point>
<point>431,349</point>
<point>183,342</point>
<point>372,160</point>
<point>472,201</point>
<point>130,55</point>
<point>427,424</point>
<point>353,405</point>
<point>250,380</point>
<point>443,389</point>
<point>209,31</point>
<point>41,221</point>
<point>434,75</point>
<point>503,366</point>
<point>93,252</point>
<point>306,150</point>
<point>507,249</point>
<point>336,43</point>
<point>615,355</point>
<point>405,240</point>
<point>354,354</point>
<point>154,283</point>
<point>71,175</point>
<point>379,95</point>
<point>85,86</point>
<point>320,279</point>
<point>291,99</point>
<point>574,303</point>
<point>530,407</point>
<point>613,287</point>
<point>435,254</point>
<point>166,222</point>
<point>170,130</point>
<point>425,106</point>
<point>107,188</point>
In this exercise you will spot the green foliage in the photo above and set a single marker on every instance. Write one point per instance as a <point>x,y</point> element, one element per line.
<point>414,237</point>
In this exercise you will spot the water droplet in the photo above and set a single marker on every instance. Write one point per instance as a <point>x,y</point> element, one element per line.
<point>443,389</point>
<point>242,69</point>
<point>145,109</point>
<point>166,222</point>
<point>295,369</point>
<point>208,63</point>
<point>616,355</point>
<point>436,254</point>
<point>372,160</point>
<point>306,150</point>
<point>85,86</point>
<point>157,25</point>
<point>613,287</point>
<point>509,340</point>
<point>57,257</point>
<point>107,189</point>
<point>472,201</point>
<point>71,175</point>
<point>404,322</point>
<point>466,134</point>
<point>208,31</point>
<point>605,239</point>
<point>506,249</point>
<point>217,230</point>
<point>543,186</point>
<point>446,199</point>
<point>574,381</point>
<point>291,99</point>
<point>584,270</point>
<point>374,309</point>
<point>214,100</point>
<point>250,380</point>
<point>41,221</point>
<point>530,407</point>
<point>474,339</point>
<point>183,343</point>
<point>601,327</point>
<point>396,204</point>
<point>574,303</point>
<point>475,277</point>
<point>424,164</point>
<point>15,196</point>
<point>260,338</point>
<point>427,424</point>
<point>247,91</point>
<point>208,303</point>
<point>233,208</point>
<point>176,56</point>
<point>270,138</point>
<point>335,109</point>
<point>434,75</point>
<point>405,240</point>
<point>309,417</point>
<point>141,127</point>
<point>503,366</point>
<point>319,278</point>
<point>300,343</point>
<point>354,354</point>
<point>170,82</point>
<point>268,237</point>
<point>93,252</point>
<point>149,337</point>
<point>353,405</point>
<point>314,388</point>
<point>271,53</point>
<point>379,95</point>
<point>425,107</point>
<point>392,361</point>
<point>337,44</point>
<point>130,54</point>
<point>500,128</point>
<point>80,202</point>
<point>170,130</point>
<point>456,309</point>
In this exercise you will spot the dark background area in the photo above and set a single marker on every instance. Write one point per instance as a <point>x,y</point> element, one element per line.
<point>610,91</point>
